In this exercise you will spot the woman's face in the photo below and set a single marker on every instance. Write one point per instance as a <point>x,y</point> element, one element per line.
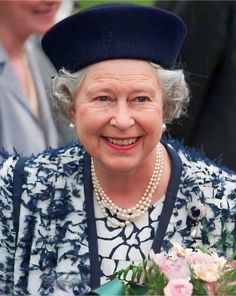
<point>118,113</point>
<point>29,16</point>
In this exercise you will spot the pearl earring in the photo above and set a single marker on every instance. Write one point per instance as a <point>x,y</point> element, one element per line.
<point>164,127</point>
<point>71,125</point>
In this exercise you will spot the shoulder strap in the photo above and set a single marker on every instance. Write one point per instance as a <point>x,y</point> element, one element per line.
<point>17,191</point>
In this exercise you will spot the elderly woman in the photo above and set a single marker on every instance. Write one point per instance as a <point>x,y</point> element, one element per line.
<point>85,211</point>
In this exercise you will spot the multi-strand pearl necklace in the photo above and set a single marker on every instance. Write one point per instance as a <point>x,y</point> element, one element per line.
<point>126,216</point>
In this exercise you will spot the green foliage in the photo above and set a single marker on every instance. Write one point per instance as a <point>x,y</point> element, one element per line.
<point>198,286</point>
<point>134,289</point>
<point>132,273</point>
<point>203,249</point>
<point>147,279</point>
<point>155,279</point>
<point>233,256</point>
<point>147,272</point>
<point>227,285</point>
<point>87,3</point>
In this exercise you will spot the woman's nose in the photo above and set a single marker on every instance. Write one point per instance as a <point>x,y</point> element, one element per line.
<point>122,117</point>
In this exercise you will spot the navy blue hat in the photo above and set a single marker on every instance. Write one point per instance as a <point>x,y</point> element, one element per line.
<point>112,31</point>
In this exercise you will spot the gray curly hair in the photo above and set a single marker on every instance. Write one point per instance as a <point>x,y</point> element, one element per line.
<point>176,93</point>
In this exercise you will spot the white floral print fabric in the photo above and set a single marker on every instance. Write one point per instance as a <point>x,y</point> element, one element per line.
<point>51,256</point>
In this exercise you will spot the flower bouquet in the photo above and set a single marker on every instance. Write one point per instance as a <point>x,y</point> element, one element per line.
<point>181,272</point>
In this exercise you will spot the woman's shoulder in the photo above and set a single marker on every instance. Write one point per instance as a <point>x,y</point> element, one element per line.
<point>196,163</point>
<point>57,158</point>
<point>210,189</point>
<point>7,165</point>
<point>203,177</point>
<point>51,162</point>
<point>55,166</point>
<point>6,184</point>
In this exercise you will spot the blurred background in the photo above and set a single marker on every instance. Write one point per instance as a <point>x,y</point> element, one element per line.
<point>86,3</point>
<point>208,59</point>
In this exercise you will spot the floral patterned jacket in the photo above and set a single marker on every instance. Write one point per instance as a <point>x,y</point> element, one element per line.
<point>54,251</point>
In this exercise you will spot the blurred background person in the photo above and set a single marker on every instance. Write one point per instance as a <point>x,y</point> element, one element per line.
<point>26,121</point>
<point>65,130</point>
<point>209,58</point>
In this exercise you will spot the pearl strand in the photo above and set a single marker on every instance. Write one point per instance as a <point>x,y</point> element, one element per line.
<point>130,214</point>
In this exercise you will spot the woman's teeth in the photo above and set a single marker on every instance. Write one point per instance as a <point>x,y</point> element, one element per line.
<point>123,142</point>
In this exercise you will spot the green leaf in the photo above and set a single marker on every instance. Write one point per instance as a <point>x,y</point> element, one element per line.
<point>198,286</point>
<point>134,289</point>
<point>233,256</point>
<point>155,280</point>
<point>230,275</point>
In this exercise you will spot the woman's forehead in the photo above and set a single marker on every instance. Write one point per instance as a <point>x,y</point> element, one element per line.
<point>120,75</point>
<point>122,69</point>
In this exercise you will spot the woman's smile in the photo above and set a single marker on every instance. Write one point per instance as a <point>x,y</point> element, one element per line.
<point>121,144</point>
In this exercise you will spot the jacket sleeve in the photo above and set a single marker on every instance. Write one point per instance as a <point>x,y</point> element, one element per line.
<point>7,232</point>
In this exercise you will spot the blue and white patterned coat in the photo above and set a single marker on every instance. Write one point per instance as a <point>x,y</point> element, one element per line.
<point>52,255</point>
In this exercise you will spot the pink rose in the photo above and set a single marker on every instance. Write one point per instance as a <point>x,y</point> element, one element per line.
<point>158,258</point>
<point>205,266</point>
<point>178,287</point>
<point>232,264</point>
<point>211,288</point>
<point>199,257</point>
<point>173,268</point>
<point>176,269</point>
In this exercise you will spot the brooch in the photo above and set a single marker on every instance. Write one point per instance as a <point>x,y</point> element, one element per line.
<point>196,211</point>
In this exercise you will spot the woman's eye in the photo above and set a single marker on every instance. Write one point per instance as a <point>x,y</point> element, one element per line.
<point>102,98</point>
<point>142,99</point>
